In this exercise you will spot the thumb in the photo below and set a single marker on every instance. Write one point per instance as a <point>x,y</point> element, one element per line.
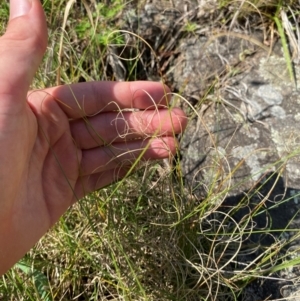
<point>21,50</point>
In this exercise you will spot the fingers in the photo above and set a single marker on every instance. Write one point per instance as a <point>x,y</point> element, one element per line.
<point>110,127</point>
<point>125,154</point>
<point>87,99</point>
<point>21,50</point>
<point>105,165</point>
<point>88,184</point>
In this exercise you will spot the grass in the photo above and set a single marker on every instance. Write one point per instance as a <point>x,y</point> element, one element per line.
<point>150,237</point>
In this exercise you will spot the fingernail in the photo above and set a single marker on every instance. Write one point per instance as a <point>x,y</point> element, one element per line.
<point>19,8</point>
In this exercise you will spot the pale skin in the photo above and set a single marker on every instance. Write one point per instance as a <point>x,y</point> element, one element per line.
<point>49,157</point>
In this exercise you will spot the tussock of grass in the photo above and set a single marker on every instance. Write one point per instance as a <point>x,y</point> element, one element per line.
<point>150,237</point>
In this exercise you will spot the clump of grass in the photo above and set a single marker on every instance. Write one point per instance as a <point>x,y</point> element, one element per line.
<point>150,236</point>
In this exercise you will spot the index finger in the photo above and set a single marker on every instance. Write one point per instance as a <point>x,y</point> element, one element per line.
<point>87,99</point>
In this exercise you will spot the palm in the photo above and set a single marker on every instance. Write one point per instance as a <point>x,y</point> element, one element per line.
<point>38,175</point>
<point>54,164</point>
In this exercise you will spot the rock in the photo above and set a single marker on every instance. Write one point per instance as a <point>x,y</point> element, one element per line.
<point>249,128</point>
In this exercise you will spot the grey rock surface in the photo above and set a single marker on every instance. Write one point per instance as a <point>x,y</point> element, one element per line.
<point>252,122</point>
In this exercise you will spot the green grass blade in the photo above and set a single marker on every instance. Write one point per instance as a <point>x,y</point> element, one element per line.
<point>286,51</point>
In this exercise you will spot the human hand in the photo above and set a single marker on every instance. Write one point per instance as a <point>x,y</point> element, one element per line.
<point>61,143</point>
